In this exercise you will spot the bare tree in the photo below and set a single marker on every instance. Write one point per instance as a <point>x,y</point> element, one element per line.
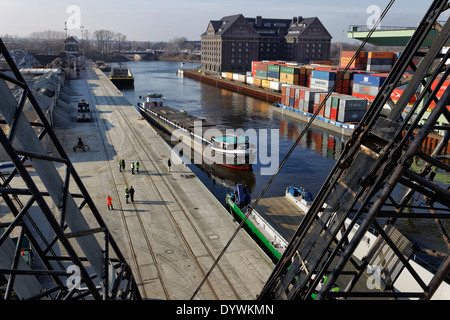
<point>120,40</point>
<point>175,44</point>
<point>104,40</point>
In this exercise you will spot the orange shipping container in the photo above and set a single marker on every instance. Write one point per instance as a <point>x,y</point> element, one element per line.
<point>380,55</point>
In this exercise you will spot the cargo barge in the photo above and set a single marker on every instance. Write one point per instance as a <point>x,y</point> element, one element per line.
<point>122,77</point>
<point>216,145</point>
<point>298,201</point>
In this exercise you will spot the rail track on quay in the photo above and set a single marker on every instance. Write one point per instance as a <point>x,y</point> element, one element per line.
<point>157,168</point>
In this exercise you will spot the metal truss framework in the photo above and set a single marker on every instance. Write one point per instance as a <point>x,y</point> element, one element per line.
<point>74,253</point>
<point>380,176</point>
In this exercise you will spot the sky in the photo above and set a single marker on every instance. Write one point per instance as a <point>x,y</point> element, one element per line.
<point>164,20</point>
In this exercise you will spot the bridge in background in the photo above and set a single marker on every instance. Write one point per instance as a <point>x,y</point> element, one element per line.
<point>392,36</point>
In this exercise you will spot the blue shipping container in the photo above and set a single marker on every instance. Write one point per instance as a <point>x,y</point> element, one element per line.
<point>322,74</point>
<point>369,80</point>
<point>291,101</point>
<point>273,74</point>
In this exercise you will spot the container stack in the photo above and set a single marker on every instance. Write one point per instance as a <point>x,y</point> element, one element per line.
<point>367,86</point>
<point>344,108</point>
<point>351,109</point>
<point>259,69</point>
<point>299,97</point>
<point>273,72</point>
<point>360,61</point>
<point>338,108</point>
<point>322,79</point>
<point>290,74</point>
<point>318,99</point>
<point>345,85</point>
<point>380,61</point>
<point>306,98</point>
<point>332,106</point>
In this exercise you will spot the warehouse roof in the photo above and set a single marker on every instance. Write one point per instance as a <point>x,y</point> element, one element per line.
<point>266,26</point>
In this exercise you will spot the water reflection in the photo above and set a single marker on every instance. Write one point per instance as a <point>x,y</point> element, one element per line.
<point>323,143</point>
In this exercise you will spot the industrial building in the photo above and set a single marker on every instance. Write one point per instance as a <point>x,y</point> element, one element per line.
<point>233,42</point>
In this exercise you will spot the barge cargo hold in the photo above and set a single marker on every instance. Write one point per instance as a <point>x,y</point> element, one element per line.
<point>122,77</point>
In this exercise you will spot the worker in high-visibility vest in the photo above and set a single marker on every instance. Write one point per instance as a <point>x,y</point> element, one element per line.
<point>138,165</point>
<point>127,193</point>
<point>109,202</point>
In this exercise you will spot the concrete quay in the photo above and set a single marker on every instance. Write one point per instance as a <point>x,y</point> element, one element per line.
<point>174,230</point>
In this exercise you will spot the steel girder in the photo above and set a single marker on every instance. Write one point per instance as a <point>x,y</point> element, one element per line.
<point>383,176</point>
<point>72,254</point>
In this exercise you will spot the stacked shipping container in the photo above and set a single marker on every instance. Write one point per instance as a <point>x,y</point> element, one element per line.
<point>380,61</point>
<point>290,74</point>
<point>304,87</point>
<point>369,61</point>
<point>339,107</point>
<point>322,79</point>
<point>367,86</point>
<point>359,63</point>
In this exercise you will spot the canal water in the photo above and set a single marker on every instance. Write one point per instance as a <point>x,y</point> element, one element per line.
<point>307,167</point>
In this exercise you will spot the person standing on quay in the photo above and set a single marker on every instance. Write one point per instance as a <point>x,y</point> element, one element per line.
<point>123,164</point>
<point>120,165</point>
<point>109,202</point>
<point>127,194</point>
<point>132,167</point>
<point>169,164</point>
<point>137,166</point>
<point>132,193</point>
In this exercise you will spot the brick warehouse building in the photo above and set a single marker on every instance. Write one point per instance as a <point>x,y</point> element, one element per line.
<point>233,42</point>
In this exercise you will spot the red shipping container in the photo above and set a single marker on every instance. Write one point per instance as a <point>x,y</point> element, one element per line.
<point>316,106</point>
<point>322,98</point>
<point>346,83</point>
<point>296,102</point>
<point>292,93</point>
<point>364,96</point>
<point>301,94</point>
<point>333,114</point>
<point>395,95</point>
